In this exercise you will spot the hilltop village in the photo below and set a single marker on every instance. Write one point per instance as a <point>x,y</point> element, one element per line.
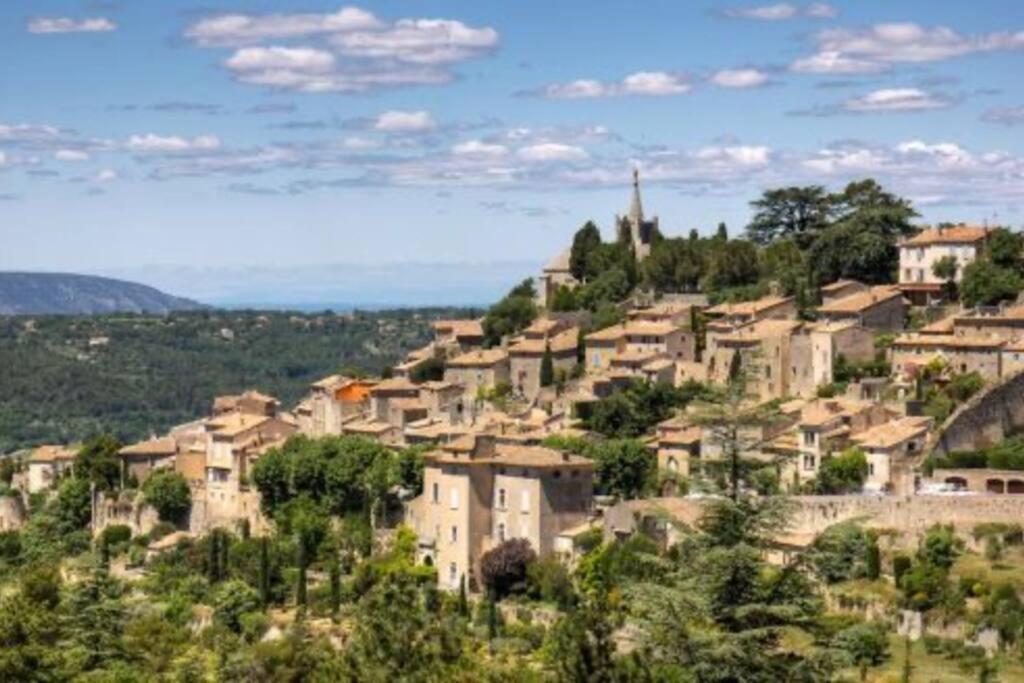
<point>568,416</point>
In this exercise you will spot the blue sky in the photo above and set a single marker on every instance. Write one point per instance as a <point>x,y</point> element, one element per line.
<point>179,141</point>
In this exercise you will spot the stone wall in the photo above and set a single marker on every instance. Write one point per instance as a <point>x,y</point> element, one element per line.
<point>12,512</point>
<point>988,418</point>
<point>908,516</point>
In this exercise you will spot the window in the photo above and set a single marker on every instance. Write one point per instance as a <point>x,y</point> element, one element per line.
<point>673,466</point>
<point>435,493</point>
<point>524,501</point>
<point>871,469</point>
<point>501,499</point>
<point>808,462</point>
<point>808,438</point>
<point>501,532</point>
<point>455,534</point>
<point>453,575</point>
<point>455,499</point>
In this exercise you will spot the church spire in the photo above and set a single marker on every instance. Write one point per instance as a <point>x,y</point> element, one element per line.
<point>636,211</point>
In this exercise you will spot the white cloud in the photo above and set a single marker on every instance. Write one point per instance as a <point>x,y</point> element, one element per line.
<point>873,49</point>
<point>280,59</point>
<point>739,154</point>
<point>478,148</point>
<point>896,99</point>
<point>831,62</point>
<point>420,41</point>
<point>242,29</point>
<point>739,78</point>
<point>943,153</point>
<point>552,151</point>
<point>404,122</point>
<point>70,155</point>
<point>783,11</point>
<point>151,143</point>
<point>355,142</point>
<point>68,25</point>
<point>106,175</point>
<point>656,83</point>
<point>642,83</point>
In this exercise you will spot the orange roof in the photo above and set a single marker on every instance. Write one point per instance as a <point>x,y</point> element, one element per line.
<point>861,301</point>
<point>958,234</point>
<point>156,446</point>
<point>460,328</point>
<point>53,453</point>
<point>948,341</point>
<point>747,308</point>
<point>563,342</point>
<point>481,358</point>
<point>889,434</point>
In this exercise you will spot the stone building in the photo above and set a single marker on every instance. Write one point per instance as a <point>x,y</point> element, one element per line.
<point>140,459</point>
<point>333,401</point>
<point>841,289</point>
<point>478,493</point>
<point>961,353</point>
<point>478,370</point>
<point>639,340</point>
<point>893,449</point>
<point>880,308</point>
<point>47,464</point>
<point>920,253</point>
<point>634,226</point>
<point>527,355</point>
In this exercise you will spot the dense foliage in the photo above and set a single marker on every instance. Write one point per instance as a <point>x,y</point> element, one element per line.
<point>63,379</point>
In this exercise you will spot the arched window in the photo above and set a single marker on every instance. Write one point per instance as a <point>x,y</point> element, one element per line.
<point>501,532</point>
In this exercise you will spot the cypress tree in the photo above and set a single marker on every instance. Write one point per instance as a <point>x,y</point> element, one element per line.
<point>300,592</point>
<point>873,560</point>
<point>335,586</point>
<point>547,368</point>
<point>213,557</point>
<point>463,602</point>
<point>492,616</point>
<point>223,567</point>
<point>264,572</point>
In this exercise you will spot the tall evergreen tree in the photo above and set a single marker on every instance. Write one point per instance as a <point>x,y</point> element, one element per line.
<point>547,368</point>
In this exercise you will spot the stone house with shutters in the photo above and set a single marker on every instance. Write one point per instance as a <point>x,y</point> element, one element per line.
<point>478,493</point>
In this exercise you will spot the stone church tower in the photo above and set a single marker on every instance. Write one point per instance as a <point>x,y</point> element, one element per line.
<point>632,226</point>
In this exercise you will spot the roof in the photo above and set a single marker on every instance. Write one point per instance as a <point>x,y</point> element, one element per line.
<point>634,357</point>
<point>408,404</point>
<point>861,301</point>
<point>53,454</point>
<point>958,234</point>
<point>662,309</point>
<point>1010,313</point>
<point>821,412</point>
<point>948,341</point>
<point>234,424</point>
<point>889,434</point>
<point>762,329</point>
<point>940,326</point>
<point>542,326</point>
<point>633,328</point>
<point>560,261</point>
<point>394,384</point>
<point>460,328</point>
<point>516,455</point>
<point>746,308</point>
<point>840,285</point>
<point>368,427</point>
<point>682,437</point>
<point>329,382</point>
<point>483,357</point>
<point>156,446</point>
<point>563,342</point>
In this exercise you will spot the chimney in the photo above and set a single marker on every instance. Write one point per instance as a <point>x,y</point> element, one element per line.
<point>483,446</point>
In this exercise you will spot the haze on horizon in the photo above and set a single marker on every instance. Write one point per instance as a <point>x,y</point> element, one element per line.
<point>238,148</point>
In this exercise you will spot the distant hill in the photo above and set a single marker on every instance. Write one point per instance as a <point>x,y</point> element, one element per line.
<point>68,294</point>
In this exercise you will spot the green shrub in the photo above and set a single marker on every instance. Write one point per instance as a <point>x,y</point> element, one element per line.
<point>115,535</point>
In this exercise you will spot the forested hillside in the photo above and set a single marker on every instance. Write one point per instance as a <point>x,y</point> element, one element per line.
<point>64,378</point>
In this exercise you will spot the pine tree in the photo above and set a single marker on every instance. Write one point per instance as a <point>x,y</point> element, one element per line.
<point>547,368</point>
<point>492,616</point>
